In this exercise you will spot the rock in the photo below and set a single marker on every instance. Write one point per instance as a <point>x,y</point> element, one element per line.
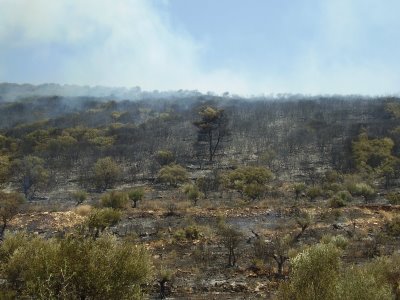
<point>238,287</point>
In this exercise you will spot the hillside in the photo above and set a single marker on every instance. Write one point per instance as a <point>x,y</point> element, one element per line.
<point>222,192</point>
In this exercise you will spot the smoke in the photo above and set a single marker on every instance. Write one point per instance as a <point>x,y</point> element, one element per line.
<point>108,42</point>
<point>133,43</point>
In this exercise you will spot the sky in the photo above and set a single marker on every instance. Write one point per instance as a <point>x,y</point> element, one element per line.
<point>246,47</point>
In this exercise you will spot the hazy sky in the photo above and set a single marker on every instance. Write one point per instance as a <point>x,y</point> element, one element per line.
<point>241,46</point>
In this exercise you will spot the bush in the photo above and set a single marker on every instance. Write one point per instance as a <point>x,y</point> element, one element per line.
<point>164,157</point>
<point>313,192</point>
<point>345,196</point>
<point>106,173</point>
<point>251,181</point>
<point>314,275</point>
<point>83,210</point>
<point>192,192</point>
<point>338,240</point>
<point>298,189</point>
<point>79,197</point>
<point>393,226</point>
<point>100,219</point>
<point>362,189</point>
<point>173,175</point>
<point>188,233</point>
<point>358,283</point>
<point>74,268</point>
<point>336,202</point>
<point>116,200</point>
<point>394,198</point>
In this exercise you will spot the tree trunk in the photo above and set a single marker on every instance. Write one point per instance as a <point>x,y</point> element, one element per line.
<point>2,230</point>
<point>162,289</point>
<point>280,267</point>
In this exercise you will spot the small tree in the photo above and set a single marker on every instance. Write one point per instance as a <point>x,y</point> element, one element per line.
<point>303,221</point>
<point>212,130</point>
<point>9,206</point>
<point>31,174</point>
<point>173,175</point>
<point>100,219</point>
<point>5,167</point>
<point>106,173</point>
<point>136,195</point>
<point>192,192</point>
<point>164,277</point>
<point>79,197</point>
<point>277,249</point>
<point>230,238</point>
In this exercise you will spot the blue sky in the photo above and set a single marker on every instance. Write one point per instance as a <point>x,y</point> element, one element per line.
<point>241,46</point>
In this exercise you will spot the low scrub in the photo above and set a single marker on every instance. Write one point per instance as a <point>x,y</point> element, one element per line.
<point>73,268</point>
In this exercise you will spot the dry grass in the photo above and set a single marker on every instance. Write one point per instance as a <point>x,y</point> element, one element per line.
<point>83,210</point>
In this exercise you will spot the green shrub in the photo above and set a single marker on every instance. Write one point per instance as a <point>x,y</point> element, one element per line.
<point>136,195</point>
<point>358,283</point>
<point>79,197</point>
<point>251,181</point>
<point>106,173</point>
<point>114,199</point>
<point>313,192</point>
<point>340,199</point>
<point>338,241</point>
<point>314,274</point>
<point>298,189</point>
<point>189,233</point>
<point>74,268</point>
<point>100,219</point>
<point>336,202</point>
<point>393,226</point>
<point>192,192</point>
<point>362,189</point>
<point>345,196</point>
<point>164,157</point>
<point>332,176</point>
<point>334,187</point>
<point>173,175</point>
<point>394,198</point>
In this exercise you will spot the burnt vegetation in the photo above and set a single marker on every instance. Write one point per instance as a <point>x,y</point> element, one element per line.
<point>192,195</point>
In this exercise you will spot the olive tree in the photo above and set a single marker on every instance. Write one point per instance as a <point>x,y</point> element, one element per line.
<point>136,195</point>
<point>106,173</point>
<point>276,248</point>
